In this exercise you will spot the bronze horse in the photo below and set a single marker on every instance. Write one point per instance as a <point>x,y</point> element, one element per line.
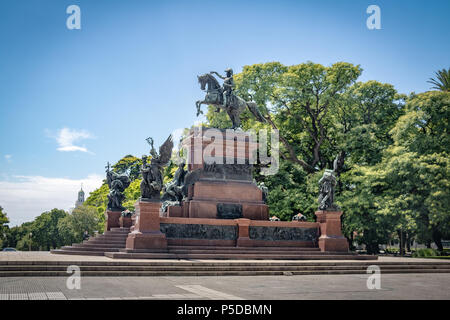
<point>214,96</point>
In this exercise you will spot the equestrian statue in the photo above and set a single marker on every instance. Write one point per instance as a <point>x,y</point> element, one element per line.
<point>222,97</point>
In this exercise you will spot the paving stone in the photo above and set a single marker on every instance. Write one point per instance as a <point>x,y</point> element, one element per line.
<point>18,296</point>
<point>37,296</point>
<point>56,296</point>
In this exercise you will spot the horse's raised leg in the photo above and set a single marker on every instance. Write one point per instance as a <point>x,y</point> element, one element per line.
<point>198,104</point>
<point>235,119</point>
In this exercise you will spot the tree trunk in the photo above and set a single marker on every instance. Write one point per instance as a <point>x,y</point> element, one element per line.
<point>437,238</point>
<point>401,242</point>
<point>372,248</point>
<point>350,242</point>
<point>408,242</point>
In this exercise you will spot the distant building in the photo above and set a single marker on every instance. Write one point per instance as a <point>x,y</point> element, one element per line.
<point>80,199</point>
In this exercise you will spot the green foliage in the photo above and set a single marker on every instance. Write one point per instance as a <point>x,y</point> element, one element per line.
<point>72,227</point>
<point>3,218</point>
<point>132,193</point>
<point>366,114</point>
<point>299,100</point>
<point>424,253</point>
<point>42,233</point>
<point>130,165</point>
<point>393,158</point>
<point>98,198</point>
<point>442,80</point>
<point>217,119</point>
<point>288,194</point>
<point>45,231</point>
<point>425,128</point>
<point>3,227</point>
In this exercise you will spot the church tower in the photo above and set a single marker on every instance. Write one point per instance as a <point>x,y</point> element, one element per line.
<point>80,199</point>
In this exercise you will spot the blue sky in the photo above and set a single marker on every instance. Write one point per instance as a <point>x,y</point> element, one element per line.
<point>71,100</point>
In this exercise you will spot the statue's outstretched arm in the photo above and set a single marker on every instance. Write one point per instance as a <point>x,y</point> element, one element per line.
<point>216,73</point>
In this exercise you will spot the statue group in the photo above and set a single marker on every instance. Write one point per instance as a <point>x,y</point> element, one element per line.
<point>175,191</point>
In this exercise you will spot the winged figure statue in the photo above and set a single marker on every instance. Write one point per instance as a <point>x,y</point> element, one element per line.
<point>152,180</point>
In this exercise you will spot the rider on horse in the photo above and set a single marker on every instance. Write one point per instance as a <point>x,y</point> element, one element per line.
<point>228,85</point>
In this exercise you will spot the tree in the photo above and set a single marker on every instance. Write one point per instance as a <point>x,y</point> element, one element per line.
<point>422,136</point>
<point>320,112</point>
<point>366,114</point>
<point>425,128</point>
<point>3,227</point>
<point>130,165</point>
<point>98,198</point>
<point>442,80</point>
<point>83,218</point>
<point>297,101</point>
<point>45,229</point>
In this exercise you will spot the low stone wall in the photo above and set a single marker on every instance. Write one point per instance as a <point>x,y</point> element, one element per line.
<point>199,231</point>
<point>240,232</point>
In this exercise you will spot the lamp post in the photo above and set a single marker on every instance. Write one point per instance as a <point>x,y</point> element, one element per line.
<point>29,248</point>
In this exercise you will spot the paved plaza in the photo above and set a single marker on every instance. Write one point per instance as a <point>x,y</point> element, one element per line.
<point>316,287</point>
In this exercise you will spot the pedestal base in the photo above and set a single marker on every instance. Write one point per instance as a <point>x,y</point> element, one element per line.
<point>146,241</point>
<point>333,244</point>
<point>331,238</point>
<point>207,195</point>
<point>146,233</point>
<point>112,219</point>
<point>125,222</point>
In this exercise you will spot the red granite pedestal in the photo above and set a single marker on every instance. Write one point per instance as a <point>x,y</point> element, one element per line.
<point>146,233</point>
<point>112,219</point>
<point>125,222</point>
<point>331,238</point>
<point>223,159</point>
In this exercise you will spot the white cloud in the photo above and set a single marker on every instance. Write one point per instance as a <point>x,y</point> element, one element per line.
<point>67,137</point>
<point>29,196</point>
<point>8,157</point>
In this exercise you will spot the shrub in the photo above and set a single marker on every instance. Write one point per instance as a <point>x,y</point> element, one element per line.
<point>422,253</point>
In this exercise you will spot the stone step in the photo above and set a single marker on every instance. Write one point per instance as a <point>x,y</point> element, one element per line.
<point>117,231</point>
<point>101,244</point>
<point>114,233</point>
<point>253,252</point>
<point>24,273</point>
<point>83,248</point>
<point>243,248</point>
<point>249,267</point>
<point>120,239</point>
<point>79,252</point>
<point>244,256</point>
<point>184,263</point>
<point>120,229</point>
<point>105,241</point>
<point>110,236</point>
